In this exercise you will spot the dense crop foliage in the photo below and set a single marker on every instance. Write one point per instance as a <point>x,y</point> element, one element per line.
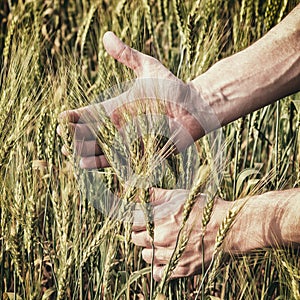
<point>54,244</point>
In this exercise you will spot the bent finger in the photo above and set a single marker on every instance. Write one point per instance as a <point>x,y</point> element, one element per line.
<point>161,255</point>
<point>139,221</point>
<point>83,131</point>
<point>87,148</point>
<point>160,196</point>
<point>79,115</point>
<point>94,162</point>
<point>141,239</point>
<point>179,272</point>
<point>158,271</point>
<point>87,114</point>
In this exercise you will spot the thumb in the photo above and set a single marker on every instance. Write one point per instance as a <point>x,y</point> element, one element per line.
<point>129,57</point>
<point>158,271</point>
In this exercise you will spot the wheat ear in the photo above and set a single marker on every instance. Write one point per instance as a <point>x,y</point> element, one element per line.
<point>222,232</point>
<point>182,239</point>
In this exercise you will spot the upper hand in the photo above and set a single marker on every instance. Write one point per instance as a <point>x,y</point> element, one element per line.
<point>154,80</point>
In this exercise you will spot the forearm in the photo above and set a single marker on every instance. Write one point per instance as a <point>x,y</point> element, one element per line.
<point>270,219</point>
<point>257,76</point>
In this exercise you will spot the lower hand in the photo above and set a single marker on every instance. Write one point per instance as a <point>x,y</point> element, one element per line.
<point>168,210</point>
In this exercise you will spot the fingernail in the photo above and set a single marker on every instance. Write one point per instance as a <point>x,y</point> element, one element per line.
<point>58,130</point>
<point>65,151</point>
<point>62,116</point>
<point>82,164</point>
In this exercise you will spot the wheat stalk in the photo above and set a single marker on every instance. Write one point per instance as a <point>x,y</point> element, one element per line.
<point>182,238</point>
<point>108,267</point>
<point>217,253</point>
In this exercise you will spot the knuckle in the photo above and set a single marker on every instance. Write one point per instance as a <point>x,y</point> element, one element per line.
<point>147,255</point>
<point>122,52</point>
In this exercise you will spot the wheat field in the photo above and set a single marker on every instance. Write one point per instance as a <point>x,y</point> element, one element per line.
<point>55,243</point>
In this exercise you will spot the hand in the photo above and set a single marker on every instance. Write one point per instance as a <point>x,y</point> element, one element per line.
<point>181,102</point>
<point>168,209</point>
<point>270,219</point>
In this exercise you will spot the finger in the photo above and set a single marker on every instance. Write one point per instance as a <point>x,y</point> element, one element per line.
<point>94,162</point>
<point>160,196</point>
<point>139,222</point>
<point>84,114</point>
<point>59,130</point>
<point>183,271</point>
<point>83,131</point>
<point>87,148</point>
<point>179,272</point>
<point>124,54</point>
<point>73,116</point>
<point>161,255</point>
<point>141,238</point>
<point>69,116</point>
<point>162,240</point>
<point>79,131</point>
<point>158,272</point>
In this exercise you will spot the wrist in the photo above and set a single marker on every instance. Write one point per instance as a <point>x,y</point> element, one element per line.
<point>270,219</point>
<point>204,106</point>
<point>255,226</point>
<point>288,216</point>
<point>229,88</point>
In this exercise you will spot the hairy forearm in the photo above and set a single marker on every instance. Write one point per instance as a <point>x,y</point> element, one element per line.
<point>270,219</point>
<point>257,76</point>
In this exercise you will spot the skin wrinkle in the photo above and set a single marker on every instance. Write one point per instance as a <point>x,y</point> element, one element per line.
<point>121,52</point>
<point>275,235</point>
<point>125,54</point>
<point>223,98</point>
<point>289,221</point>
<point>259,236</point>
<point>271,223</point>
